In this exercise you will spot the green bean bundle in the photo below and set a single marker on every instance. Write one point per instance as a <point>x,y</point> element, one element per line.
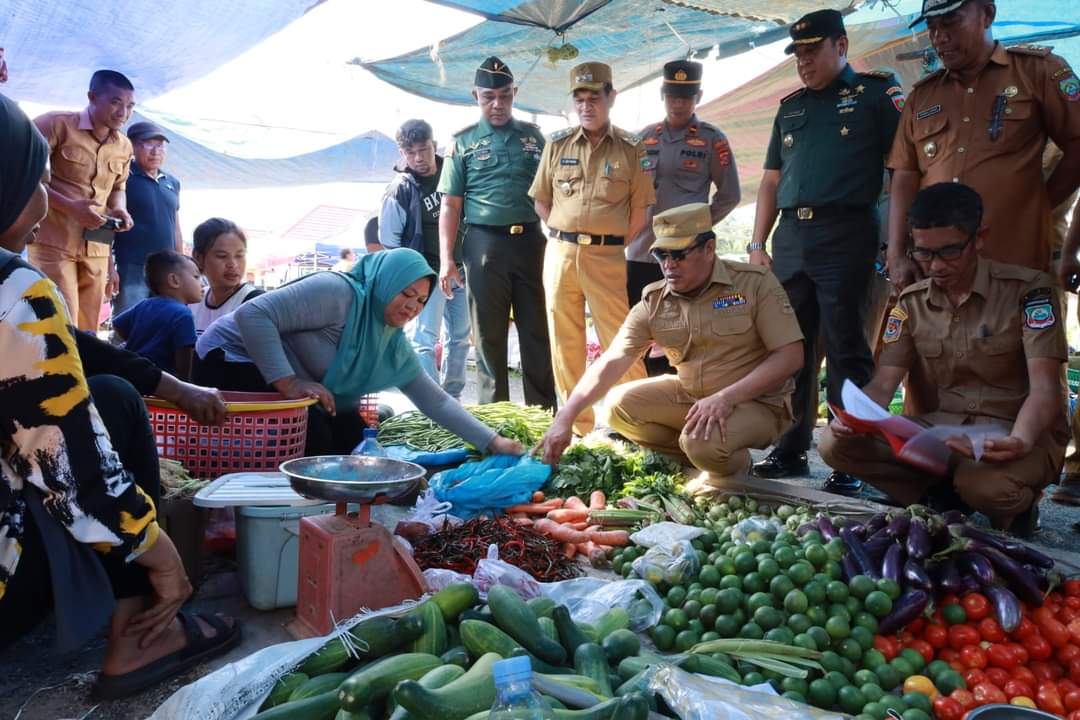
<point>523,423</point>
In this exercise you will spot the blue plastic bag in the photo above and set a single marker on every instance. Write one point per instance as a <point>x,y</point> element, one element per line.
<point>490,485</point>
<point>425,458</point>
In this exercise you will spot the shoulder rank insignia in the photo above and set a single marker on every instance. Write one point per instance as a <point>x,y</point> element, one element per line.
<point>560,134</point>
<point>1036,50</point>
<point>937,73</point>
<point>628,137</point>
<point>881,74</point>
<point>465,129</point>
<point>792,96</point>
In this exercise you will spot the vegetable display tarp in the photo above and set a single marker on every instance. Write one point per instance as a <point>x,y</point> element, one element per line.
<point>160,46</point>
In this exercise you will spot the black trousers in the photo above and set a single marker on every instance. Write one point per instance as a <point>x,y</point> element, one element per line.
<point>826,267</point>
<point>326,435</point>
<point>29,595</point>
<point>638,275</point>
<point>505,272</point>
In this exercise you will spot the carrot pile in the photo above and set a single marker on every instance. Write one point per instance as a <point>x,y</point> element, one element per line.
<point>567,521</point>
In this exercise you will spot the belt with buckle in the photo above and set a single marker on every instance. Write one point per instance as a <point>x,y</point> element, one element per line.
<point>824,211</point>
<point>515,229</point>
<point>587,239</point>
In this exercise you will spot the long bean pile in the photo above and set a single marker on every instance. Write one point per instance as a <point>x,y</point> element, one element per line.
<point>461,548</point>
<point>523,423</point>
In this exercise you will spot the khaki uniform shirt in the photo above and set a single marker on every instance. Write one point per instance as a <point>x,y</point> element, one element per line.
<point>718,337</point>
<point>977,354</point>
<point>684,165</point>
<point>947,135</point>
<point>82,168</point>
<point>592,190</point>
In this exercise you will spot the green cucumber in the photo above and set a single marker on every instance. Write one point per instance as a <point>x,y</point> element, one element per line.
<point>455,599</point>
<point>318,685</point>
<point>517,620</point>
<point>433,639</point>
<point>375,681</point>
<point>631,707</point>
<point>590,661</point>
<point>541,606</point>
<point>480,638</point>
<point>472,692</point>
<point>381,635</point>
<point>547,626</point>
<point>480,613</point>
<point>453,637</point>
<point>614,619</point>
<point>330,657</point>
<point>637,683</point>
<point>706,665</point>
<point>570,635</point>
<point>283,689</point>
<point>437,678</point>
<point>344,714</point>
<point>621,644</point>
<point>456,656</point>
<point>590,632</point>
<point>631,666</point>
<point>540,666</point>
<point>320,707</point>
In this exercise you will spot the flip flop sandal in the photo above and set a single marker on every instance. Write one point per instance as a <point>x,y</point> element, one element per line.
<point>199,648</point>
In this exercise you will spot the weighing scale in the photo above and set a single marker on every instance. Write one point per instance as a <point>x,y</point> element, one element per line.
<point>348,563</point>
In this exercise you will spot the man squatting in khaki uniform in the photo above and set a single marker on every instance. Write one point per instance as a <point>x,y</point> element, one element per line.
<point>730,333</point>
<point>592,192</point>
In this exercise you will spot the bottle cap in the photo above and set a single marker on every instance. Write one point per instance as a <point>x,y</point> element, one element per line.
<point>515,669</point>
<point>370,433</point>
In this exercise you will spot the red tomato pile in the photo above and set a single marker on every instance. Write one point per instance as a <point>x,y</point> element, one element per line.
<point>1036,665</point>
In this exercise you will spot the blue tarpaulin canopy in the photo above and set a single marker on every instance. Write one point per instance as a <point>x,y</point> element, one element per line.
<point>541,40</point>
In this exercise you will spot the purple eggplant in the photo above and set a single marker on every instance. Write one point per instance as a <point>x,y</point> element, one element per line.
<point>968,584</point>
<point>1022,583</point>
<point>862,559</point>
<point>952,517</point>
<point>805,528</point>
<point>910,605</point>
<point>898,528</point>
<point>848,566</point>
<point>1006,606</point>
<point>893,565</point>
<point>858,530</point>
<point>826,528</point>
<point>877,546</point>
<point>972,563</point>
<point>916,576</point>
<point>1013,548</point>
<point>948,579</point>
<point>876,523</point>
<point>918,540</point>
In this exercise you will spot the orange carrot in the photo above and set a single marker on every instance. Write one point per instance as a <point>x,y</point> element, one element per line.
<point>538,497</point>
<point>523,521</point>
<point>535,508</point>
<point>579,526</point>
<point>596,553</point>
<point>567,515</point>
<point>569,550</point>
<point>616,538</point>
<point>562,533</point>
<point>575,503</point>
<point>597,501</point>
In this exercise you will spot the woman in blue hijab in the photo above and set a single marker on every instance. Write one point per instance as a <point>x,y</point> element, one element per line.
<point>337,337</point>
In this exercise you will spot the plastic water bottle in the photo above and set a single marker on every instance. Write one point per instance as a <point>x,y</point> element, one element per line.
<point>515,698</point>
<point>370,446</point>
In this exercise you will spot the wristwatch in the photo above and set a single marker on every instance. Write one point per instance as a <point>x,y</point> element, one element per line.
<point>751,247</point>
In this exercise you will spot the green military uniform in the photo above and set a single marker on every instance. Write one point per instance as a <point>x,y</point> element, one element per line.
<point>491,168</point>
<point>829,146</point>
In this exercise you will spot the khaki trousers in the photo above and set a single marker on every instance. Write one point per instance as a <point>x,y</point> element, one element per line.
<point>652,413</point>
<point>81,280</point>
<point>575,275</point>
<point>1001,491</point>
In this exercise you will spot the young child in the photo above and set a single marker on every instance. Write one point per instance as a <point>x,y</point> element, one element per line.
<point>161,328</point>
<point>220,251</point>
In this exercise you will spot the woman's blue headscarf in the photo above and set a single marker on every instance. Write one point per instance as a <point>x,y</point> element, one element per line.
<point>372,355</point>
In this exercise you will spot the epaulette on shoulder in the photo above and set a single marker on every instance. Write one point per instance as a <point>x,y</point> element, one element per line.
<point>526,123</point>
<point>926,78</point>
<point>560,134</point>
<point>652,287</point>
<point>915,287</point>
<point>1008,271</point>
<point>627,136</point>
<point>792,96</point>
<point>879,74</point>
<point>465,129</point>
<point>1036,50</point>
<point>745,267</point>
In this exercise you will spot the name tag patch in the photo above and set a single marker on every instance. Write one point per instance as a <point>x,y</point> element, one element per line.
<point>700,142</point>
<point>568,161</point>
<point>729,300</point>
<point>928,112</point>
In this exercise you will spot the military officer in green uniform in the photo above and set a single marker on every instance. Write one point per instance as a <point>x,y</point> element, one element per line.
<point>486,178</point>
<point>823,174</point>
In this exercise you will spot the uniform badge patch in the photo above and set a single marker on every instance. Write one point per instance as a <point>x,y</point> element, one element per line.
<point>1070,87</point>
<point>723,151</point>
<point>894,326</point>
<point>651,141</point>
<point>568,161</point>
<point>729,300</point>
<point>695,141</point>
<point>1038,309</point>
<point>648,164</point>
<point>898,102</point>
<point>928,112</point>
<point>690,164</point>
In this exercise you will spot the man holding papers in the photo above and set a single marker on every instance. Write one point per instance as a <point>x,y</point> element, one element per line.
<point>989,335</point>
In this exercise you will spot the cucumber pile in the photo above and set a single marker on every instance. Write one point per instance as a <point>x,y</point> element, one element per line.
<point>435,663</point>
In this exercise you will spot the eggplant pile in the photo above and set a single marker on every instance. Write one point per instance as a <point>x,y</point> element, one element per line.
<point>931,555</point>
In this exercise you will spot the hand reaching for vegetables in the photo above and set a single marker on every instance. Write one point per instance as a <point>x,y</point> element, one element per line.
<point>554,443</point>
<point>505,446</point>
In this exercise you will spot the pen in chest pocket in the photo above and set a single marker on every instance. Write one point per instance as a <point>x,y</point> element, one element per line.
<point>997,115</point>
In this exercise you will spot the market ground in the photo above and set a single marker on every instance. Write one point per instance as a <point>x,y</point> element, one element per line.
<point>50,687</point>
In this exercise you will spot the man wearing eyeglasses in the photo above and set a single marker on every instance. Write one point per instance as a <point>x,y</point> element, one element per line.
<point>823,174</point>
<point>990,337</point>
<point>730,333</point>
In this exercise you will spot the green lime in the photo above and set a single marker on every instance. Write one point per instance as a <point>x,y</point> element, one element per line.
<point>740,616</point>
<point>839,610</point>
<point>878,604</point>
<point>708,616</point>
<point>954,614</point>
<point>790,684</point>
<point>913,656</point>
<point>847,667</point>
<point>822,694</point>
<point>663,636</point>
<point>759,600</point>
<point>830,661</point>
<point>836,549</point>
<point>708,539</point>
<point>872,691</point>
<point>837,679</point>
<point>692,608</point>
<point>890,587</point>
<point>751,631</point>
<point>854,606</point>
<point>725,565</point>
<point>799,623</point>
<point>693,593</point>
<point>731,581</point>
<point>676,618</point>
<point>864,676</point>
<point>801,572</point>
<point>893,702</point>
<point>781,635</point>
<point>834,570</point>
<point>696,625</point>
<point>728,600</point>
<point>804,640</point>
<point>935,667</point>
<point>753,678</point>
<point>617,565</point>
<point>918,701</point>
<point>761,546</point>
<point>794,696</point>
<point>744,563</point>
<point>915,714</point>
<point>836,591</point>
<point>851,649</point>
<point>864,637</point>
<point>888,676</point>
<point>768,568</point>
<point>866,620</point>
<point>903,666</point>
<point>754,582</point>
<point>875,710</point>
<point>815,592</point>
<point>676,596</point>
<point>817,614</point>
<point>784,556</point>
<point>710,636</point>
<point>821,638</point>
<point>795,601</point>
<point>726,626</point>
<point>768,617</point>
<point>861,586</point>
<point>851,699</point>
<point>780,586</point>
<point>709,576</point>
<point>816,555</point>
<point>686,640</point>
<point>708,596</point>
<point>873,659</point>
<point>948,681</point>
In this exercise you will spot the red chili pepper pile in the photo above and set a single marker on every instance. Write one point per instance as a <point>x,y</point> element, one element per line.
<point>461,548</point>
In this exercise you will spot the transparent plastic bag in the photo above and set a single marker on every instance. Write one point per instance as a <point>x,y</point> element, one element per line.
<point>755,528</point>
<point>490,485</point>
<point>438,578</point>
<point>429,511</point>
<point>588,598</point>
<point>675,564</point>
<point>665,533</point>
<point>699,697</point>
<point>493,571</point>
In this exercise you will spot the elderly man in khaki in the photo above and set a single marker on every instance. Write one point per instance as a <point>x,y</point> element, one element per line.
<point>730,333</point>
<point>592,191</point>
<point>990,337</point>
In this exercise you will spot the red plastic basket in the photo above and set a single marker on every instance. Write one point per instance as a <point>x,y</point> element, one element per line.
<point>261,431</point>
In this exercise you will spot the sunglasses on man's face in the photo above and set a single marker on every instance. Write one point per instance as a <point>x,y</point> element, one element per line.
<point>676,255</point>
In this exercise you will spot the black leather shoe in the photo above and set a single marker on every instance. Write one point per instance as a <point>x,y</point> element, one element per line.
<point>777,465</point>
<point>842,484</point>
